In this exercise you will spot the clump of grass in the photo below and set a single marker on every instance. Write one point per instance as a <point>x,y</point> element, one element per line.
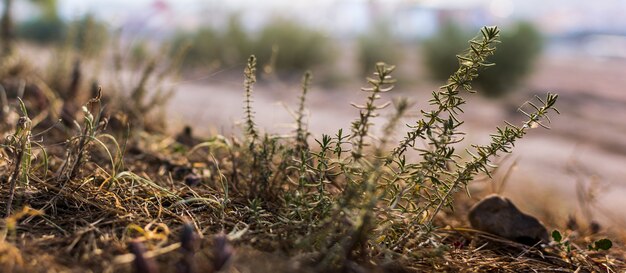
<point>93,125</point>
<point>140,103</point>
<point>387,186</point>
<point>19,146</point>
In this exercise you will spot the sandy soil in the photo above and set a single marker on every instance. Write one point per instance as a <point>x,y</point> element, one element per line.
<point>587,143</point>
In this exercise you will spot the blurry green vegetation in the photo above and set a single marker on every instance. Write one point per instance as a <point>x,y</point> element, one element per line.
<point>42,30</point>
<point>296,46</point>
<point>91,35</point>
<point>204,46</point>
<point>280,45</point>
<point>139,52</point>
<point>86,33</point>
<point>45,28</point>
<point>237,43</point>
<point>439,51</point>
<point>377,45</point>
<point>521,45</point>
<point>210,47</point>
<point>48,8</point>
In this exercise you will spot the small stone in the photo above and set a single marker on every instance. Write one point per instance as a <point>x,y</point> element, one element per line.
<point>499,216</point>
<point>192,180</point>
<point>186,137</point>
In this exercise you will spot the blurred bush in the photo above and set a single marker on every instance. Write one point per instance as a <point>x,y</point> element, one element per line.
<point>286,46</point>
<point>42,30</point>
<point>208,47</point>
<point>204,46</point>
<point>440,50</point>
<point>91,35</point>
<point>377,45</point>
<point>45,28</point>
<point>88,35</point>
<point>514,57</point>
<point>139,53</point>
<point>237,45</point>
<point>281,45</point>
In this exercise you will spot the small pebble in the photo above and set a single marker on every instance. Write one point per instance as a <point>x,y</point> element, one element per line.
<point>499,216</point>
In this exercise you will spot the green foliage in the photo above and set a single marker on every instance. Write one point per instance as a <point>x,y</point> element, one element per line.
<point>556,236</point>
<point>520,48</point>
<point>293,46</point>
<point>87,134</point>
<point>212,48</point>
<point>88,35</point>
<point>302,133</point>
<point>48,8</point>
<point>382,195</point>
<point>521,45</point>
<point>91,35</point>
<point>602,244</point>
<point>236,43</point>
<point>250,79</point>
<point>43,30</point>
<point>440,51</point>
<point>19,146</point>
<point>377,45</point>
<point>280,46</point>
<point>46,28</point>
<point>204,46</point>
<point>562,243</point>
<point>145,98</point>
<point>360,128</point>
<point>432,182</point>
<point>566,246</point>
<point>138,53</point>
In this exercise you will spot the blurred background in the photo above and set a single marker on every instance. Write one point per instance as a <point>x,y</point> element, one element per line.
<point>574,48</point>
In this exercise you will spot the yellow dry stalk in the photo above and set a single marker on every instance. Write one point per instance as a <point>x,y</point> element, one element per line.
<point>11,221</point>
<point>151,232</point>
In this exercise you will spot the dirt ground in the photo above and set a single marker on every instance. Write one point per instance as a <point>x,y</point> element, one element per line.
<point>578,163</point>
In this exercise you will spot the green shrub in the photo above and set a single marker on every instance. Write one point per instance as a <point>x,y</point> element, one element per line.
<point>86,34</point>
<point>521,46</point>
<point>288,46</point>
<point>42,30</point>
<point>377,45</point>
<point>139,52</point>
<point>281,45</point>
<point>440,51</point>
<point>385,198</point>
<point>91,35</point>
<point>204,46</point>
<point>45,28</point>
<point>236,43</point>
<point>209,47</point>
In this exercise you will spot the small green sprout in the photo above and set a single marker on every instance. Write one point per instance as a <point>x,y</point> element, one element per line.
<point>602,244</point>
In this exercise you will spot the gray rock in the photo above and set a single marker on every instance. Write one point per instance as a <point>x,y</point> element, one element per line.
<point>497,215</point>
